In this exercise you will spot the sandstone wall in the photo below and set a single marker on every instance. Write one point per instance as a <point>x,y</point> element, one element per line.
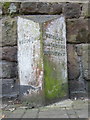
<point>78,39</point>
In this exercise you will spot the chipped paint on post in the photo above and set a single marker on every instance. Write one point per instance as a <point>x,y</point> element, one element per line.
<point>29,56</point>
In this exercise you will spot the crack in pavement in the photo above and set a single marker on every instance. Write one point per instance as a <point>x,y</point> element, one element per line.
<point>37,115</point>
<point>23,114</point>
<point>75,111</point>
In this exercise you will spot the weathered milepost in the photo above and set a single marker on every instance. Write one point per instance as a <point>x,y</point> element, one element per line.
<point>55,59</point>
<point>42,58</point>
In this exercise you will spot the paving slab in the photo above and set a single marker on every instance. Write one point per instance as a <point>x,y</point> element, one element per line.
<point>6,113</point>
<point>53,113</point>
<point>71,113</point>
<point>82,113</point>
<point>31,113</point>
<point>18,113</point>
<point>80,104</point>
<point>0,114</point>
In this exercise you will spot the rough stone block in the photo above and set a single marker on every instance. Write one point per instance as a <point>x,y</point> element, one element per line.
<point>78,86</point>
<point>56,8</point>
<point>78,31</point>
<point>28,7</point>
<point>40,7</point>
<point>49,8</point>
<point>72,10</point>
<point>86,10</point>
<point>10,87</point>
<point>43,8</point>
<point>84,50</point>
<point>9,32</point>
<point>9,69</point>
<point>73,63</point>
<point>77,89</point>
<point>9,53</point>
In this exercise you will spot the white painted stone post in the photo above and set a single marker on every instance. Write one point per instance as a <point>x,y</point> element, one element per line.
<point>42,57</point>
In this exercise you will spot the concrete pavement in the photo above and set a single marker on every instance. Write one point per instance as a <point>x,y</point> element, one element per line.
<point>64,109</point>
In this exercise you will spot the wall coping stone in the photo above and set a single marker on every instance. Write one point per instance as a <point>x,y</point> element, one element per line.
<point>73,1</point>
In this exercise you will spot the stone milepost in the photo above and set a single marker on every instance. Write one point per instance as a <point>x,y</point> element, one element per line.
<point>42,58</point>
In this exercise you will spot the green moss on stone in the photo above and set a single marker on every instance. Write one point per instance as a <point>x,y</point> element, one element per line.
<point>6,5</point>
<point>53,81</point>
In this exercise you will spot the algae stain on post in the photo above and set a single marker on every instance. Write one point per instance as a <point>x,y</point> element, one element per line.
<point>55,59</point>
